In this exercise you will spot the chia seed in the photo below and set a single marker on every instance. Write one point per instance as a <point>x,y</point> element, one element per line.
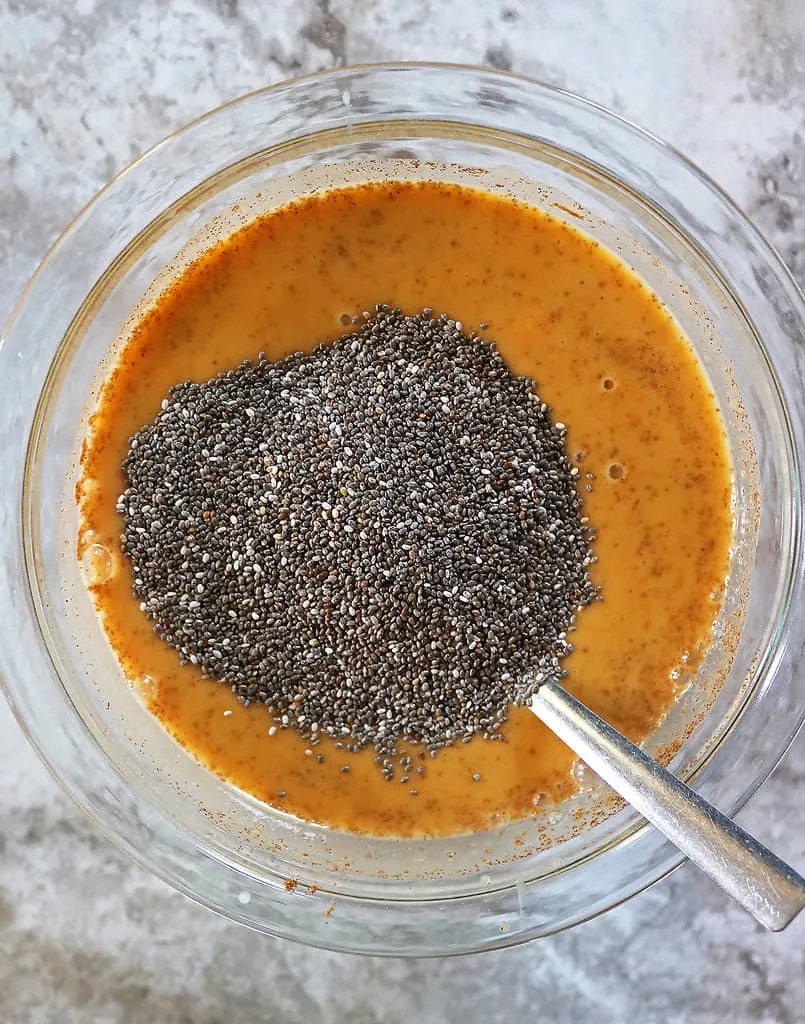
<point>381,540</point>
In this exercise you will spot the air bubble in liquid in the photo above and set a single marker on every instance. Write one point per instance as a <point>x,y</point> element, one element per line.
<point>582,774</point>
<point>98,564</point>
<point>146,686</point>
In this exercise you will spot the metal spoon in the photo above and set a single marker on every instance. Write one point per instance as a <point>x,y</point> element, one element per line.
<point>762,883</point>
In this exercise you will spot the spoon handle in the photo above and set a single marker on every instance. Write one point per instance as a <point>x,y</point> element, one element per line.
<point>762,883</point>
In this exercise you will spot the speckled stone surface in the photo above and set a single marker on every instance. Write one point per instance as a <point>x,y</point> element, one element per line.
<point>86,936</point>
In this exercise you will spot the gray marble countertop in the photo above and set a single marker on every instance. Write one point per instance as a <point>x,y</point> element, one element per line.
<point>84,88</point>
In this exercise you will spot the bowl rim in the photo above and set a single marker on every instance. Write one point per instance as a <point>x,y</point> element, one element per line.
<point>334,75</point>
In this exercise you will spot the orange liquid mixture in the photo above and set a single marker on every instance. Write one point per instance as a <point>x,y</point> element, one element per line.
<point>609,359</point>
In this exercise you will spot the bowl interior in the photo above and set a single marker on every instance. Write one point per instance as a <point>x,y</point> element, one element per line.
<point>211,808</point>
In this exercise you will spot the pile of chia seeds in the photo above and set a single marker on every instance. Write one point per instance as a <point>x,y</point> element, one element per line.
<point>382,540</point>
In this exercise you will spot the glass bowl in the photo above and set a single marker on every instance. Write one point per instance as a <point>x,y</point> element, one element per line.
<point>732,296</point>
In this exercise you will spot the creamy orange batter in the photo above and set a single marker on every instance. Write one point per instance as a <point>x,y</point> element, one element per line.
<point>607,356</point>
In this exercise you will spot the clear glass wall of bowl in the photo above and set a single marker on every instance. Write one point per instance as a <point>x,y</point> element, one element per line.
<point>728,290</point>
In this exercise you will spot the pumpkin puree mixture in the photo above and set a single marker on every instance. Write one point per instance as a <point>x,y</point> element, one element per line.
<point>610,361</point>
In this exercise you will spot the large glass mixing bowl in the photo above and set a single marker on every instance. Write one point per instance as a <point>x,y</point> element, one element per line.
<point>730,293</point>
